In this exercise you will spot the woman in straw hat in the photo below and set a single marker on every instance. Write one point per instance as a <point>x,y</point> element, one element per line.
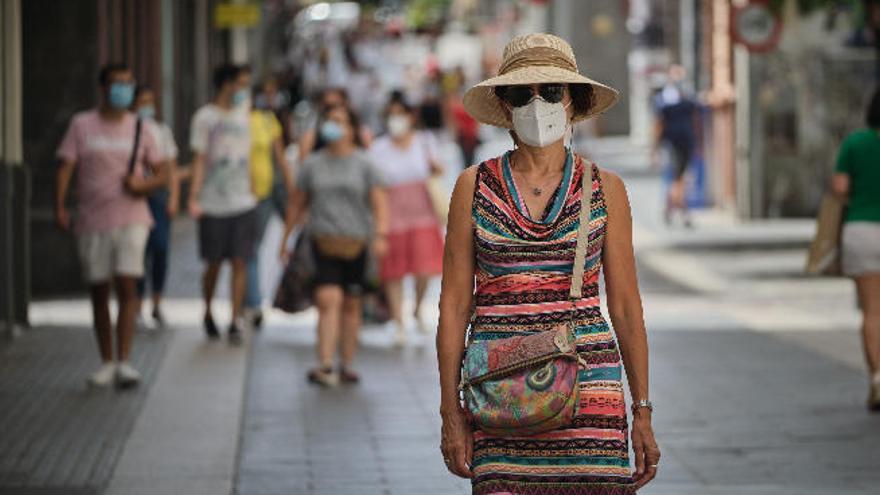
<point>509,262</point>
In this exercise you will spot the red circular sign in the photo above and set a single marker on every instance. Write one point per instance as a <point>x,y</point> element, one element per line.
<point>756,26</point>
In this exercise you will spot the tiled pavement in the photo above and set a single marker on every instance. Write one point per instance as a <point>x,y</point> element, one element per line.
<point>56,435</point>
<point>738,413</point>
<point>377,438</point>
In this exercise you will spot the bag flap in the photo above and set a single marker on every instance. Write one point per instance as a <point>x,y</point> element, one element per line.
<point>491,358</point>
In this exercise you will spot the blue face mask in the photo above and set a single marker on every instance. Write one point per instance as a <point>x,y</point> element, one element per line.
<point>331,131</point>
<point>121,95</point>
<point>239,97</point>
<point>147,112</point>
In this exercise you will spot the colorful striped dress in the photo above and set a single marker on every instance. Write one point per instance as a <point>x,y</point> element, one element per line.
<point>523,271</point>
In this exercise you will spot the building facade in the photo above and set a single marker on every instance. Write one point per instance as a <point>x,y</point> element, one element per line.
<point>50,54</point>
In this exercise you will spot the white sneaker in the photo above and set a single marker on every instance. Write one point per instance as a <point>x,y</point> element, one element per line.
<point>104,376</point>
<point>400,337</point>
<point>126,376</point>
<point>244,323</point>
<point>140,323</point>
<point>422,326</point>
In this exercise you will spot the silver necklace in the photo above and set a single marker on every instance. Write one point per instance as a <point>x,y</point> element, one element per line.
<point>537,191</point>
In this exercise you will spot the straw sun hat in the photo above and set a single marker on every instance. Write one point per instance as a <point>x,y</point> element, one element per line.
<point>533,59</point>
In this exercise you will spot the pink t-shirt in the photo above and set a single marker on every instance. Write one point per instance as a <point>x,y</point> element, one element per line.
<point>101,150</point>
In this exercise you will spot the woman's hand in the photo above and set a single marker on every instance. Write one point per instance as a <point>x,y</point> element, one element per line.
<point>173,206</point>
<point>457,443</point>
<point>283,252</point>
<point>645,447</point>
<point>380,246</point>
<point>194,208</point>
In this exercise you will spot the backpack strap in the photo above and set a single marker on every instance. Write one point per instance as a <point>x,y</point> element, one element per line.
<point>132,160</point>
<point>583,233</point>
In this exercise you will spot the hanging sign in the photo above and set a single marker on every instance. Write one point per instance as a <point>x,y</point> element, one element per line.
<point>756,26</point>
<point>234,15</point>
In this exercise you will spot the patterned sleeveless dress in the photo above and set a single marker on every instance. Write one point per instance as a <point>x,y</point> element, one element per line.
<point>523,271</point>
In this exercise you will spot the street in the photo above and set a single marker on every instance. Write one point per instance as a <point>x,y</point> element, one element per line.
<point>756,372</point>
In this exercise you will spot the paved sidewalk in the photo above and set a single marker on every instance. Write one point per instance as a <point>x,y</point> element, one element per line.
<point>739,412</point>
<point>59,436</point>
<point>56,434</point>
<point>381,437</point>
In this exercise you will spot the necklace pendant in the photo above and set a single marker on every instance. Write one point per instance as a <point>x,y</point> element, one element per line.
<point>537,191</point>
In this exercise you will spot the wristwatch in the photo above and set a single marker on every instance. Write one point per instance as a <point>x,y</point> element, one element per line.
<point>642,403</point>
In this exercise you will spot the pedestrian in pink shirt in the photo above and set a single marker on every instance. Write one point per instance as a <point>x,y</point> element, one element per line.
<point>111,151</point>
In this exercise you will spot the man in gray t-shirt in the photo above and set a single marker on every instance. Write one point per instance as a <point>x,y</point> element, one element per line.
<point>338,188</point>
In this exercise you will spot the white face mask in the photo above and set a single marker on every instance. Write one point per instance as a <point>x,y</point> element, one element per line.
<point>539,123</point>
<point>398,125</point>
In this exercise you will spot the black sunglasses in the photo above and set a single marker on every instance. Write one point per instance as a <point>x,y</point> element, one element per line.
<point>518,96</point>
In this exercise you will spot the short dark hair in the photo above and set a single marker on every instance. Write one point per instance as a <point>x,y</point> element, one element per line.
<point>226,73</point>
<point>873,114</point>
<point>582,97</point>
<point>342,92</point>
<point>109,69</point>
<point>398,98</point>
<point>141,89</point>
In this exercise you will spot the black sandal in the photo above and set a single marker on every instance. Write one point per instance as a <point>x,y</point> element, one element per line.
<point>348,377</point>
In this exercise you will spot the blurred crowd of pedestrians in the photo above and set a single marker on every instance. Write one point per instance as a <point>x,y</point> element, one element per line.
<point>349,154</point>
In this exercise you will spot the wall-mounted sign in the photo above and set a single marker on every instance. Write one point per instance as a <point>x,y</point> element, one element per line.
<point>756,26</point>
<point>235,15</point>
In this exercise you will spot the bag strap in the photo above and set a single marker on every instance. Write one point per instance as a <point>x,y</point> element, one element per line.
<point>137,141</point>
<point>583,233</point>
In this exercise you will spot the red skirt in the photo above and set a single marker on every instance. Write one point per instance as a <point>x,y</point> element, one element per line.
<point>415,239</point>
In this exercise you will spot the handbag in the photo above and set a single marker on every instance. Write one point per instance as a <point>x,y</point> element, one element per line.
<point>439,198</point>
<point>528,384</point>
<point>824,255</point>
<point>339,247</point>
<point>437,193</point>
<point>294,293</point>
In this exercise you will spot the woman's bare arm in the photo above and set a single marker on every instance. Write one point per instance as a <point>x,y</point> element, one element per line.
<point>840,185</point>
<point>457,289</point>
<point>456,299</point>
<point>296,204</point>
<point>379,205</point>
<point>625,306</point>
<point>622,288</point>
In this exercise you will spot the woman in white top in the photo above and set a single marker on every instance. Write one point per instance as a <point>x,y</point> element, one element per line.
<point>407,159</point>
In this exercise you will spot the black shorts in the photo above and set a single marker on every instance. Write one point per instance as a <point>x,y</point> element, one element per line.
<point>682,151</point>
<point>348,274</point>
<point>229,237</point>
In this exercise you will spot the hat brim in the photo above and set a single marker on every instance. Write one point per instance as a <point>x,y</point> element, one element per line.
<point>481,102</point>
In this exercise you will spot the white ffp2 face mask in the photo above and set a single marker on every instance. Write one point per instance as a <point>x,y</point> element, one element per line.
<point>539,123</point>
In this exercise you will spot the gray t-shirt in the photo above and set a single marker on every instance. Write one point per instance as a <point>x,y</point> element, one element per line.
<point>338,188</point>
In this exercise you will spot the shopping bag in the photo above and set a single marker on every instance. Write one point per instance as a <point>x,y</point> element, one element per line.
<point>294,293</point>
<point>439,198</point>
<point>824,255</point>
